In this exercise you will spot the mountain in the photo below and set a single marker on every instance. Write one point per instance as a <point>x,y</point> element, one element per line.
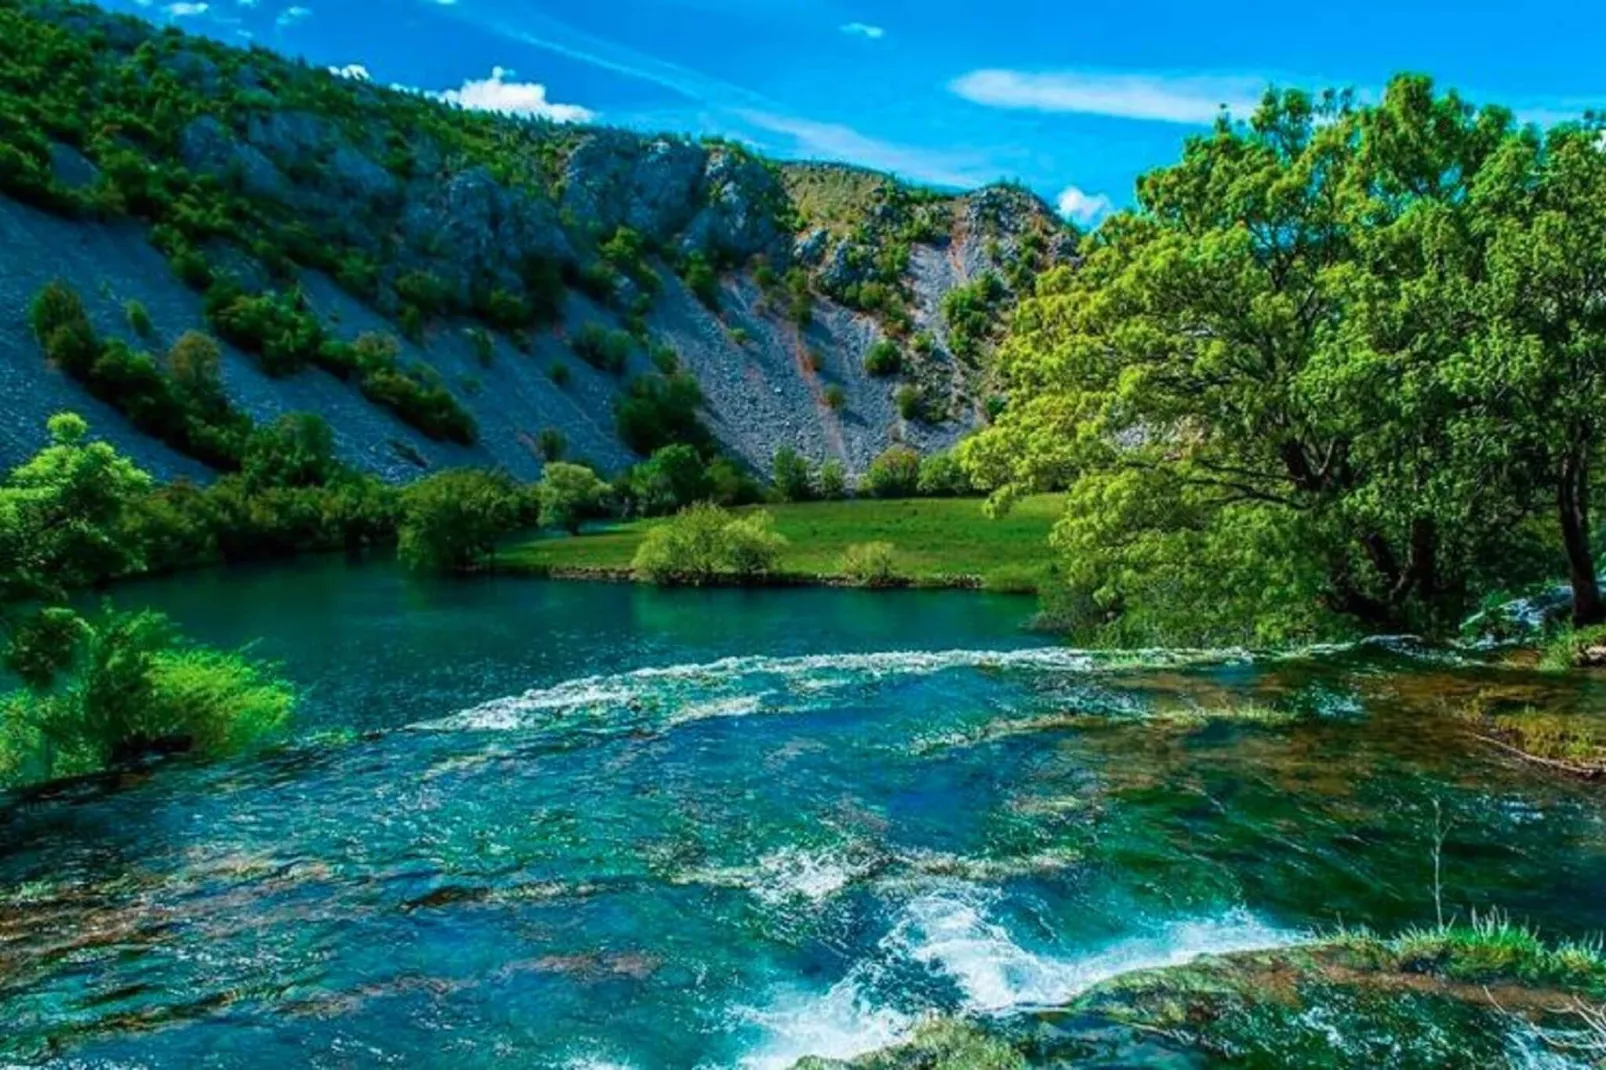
<point>449,287</point>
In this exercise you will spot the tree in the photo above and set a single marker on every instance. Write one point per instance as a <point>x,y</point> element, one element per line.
<point>673,478</point>
<point>894,474</point>
<point>1249,451</point>
<point>569,494</point>
<point>704,543</point>
<point>452,520</point>
<point>793,475</point>
<point>1535,372</point>
<point>296,450</point>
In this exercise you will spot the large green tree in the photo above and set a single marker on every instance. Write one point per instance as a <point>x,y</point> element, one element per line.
<point>1240,384</point>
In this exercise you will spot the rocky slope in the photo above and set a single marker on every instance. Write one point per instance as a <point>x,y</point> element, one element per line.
<point>166,172</point>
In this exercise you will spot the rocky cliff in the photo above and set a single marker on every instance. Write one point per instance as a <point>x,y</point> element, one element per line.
<point>522,273</point>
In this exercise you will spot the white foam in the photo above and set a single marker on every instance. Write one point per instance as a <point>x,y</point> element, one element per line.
<point>841,1024</point>
<point>950,931</point>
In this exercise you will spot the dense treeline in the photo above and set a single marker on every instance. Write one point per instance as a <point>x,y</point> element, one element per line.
<point>1340,369</point>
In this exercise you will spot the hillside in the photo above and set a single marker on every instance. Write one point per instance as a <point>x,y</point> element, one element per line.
<point>448,287</point>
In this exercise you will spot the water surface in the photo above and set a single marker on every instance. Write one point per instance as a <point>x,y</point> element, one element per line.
<point>591,826</point>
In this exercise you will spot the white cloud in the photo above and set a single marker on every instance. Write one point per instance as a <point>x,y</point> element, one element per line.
<point>185,10</point>
<point>1190,99</point>
<point>498,94</point>
<point>355,71</point>
<point>1081,208</point>
<point>291,15</point>
<point>863,29</point>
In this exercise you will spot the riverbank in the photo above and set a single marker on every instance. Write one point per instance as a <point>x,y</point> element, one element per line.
<point>937,542</point>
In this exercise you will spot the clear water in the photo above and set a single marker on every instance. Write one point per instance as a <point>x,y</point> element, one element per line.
<point>583,826</point>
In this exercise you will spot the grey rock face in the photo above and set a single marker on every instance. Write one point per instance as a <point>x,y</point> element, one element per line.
<point>614,180</point>
<point>210,148</point>
<point>70,167</point>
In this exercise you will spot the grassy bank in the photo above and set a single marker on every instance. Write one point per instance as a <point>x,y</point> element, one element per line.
<point>937,542</point>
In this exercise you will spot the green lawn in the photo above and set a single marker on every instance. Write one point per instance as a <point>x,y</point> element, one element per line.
<point>938,541</point>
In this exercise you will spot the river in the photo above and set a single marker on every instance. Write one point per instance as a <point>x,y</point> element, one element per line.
<point>590,826</point>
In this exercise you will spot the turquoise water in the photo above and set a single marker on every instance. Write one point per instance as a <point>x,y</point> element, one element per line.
<point>589,826</point>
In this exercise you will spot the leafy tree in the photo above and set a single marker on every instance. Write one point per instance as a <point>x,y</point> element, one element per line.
<point>296,450</point>
<point>894,474</point>
<point>568,495</point>
<point>452,521</point>
<point>833,481</point>
<point>672,479</point>
<point>660,410</point>
<point>884,358</point>
<point>793,475</point>
<point>942,476</point>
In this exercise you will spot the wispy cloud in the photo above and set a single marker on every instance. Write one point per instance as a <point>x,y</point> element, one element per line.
<point>498,94</point>
<point>863,29</point>
<point>292,15</point>
<point>1189,99</point>
<point>1082,208</point>
<point>833,141</point>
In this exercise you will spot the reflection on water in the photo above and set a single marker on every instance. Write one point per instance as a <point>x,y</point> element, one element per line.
<point>598,826</point>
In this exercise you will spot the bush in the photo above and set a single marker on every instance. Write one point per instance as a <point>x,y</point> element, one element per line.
<point>870,564</point>
<point>139,319</point>
<point>602,348</point>
<point>793,475</point>
<point>894,474</point>
<point>942,476</point>
<point>702,280</point>
<point>570,494</point>
<point>705,543</point>
<point>560,374</point>
<point>833,481</point>
<point>132,689</point>
<point>552,444</point>
<point>911,406</point>
<point>660,410</point>
<point>451,521</point>
<point>884,359</point>
<point>484,346</point>
<point>672,479</point>
<point>296,450</point>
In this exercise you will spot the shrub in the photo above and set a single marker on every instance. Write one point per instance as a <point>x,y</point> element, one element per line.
<point>705,543</point>
<point>602,348</point>
<point>560,374</point>
<point>296,450</point>
<point>62,327</point>
<point>664,358</point>
<point>942,476</point>
<point>833,481</point>
<point>195,364</point>
<point>883,359</point>
<point>484,346</point>
<point>911,405</point>
<point>793,475</point>
<point>894,474</point>
<point>672,479</point>
<point>660,410</point>
<point>701,280</point>
<point>139,319</point>
<point>740,336</point>
<point>835,398</point>
<point>870,564</point>
<point>133,690</point>
<point>568,495</point>
<point>451,521</point>
<point>551,444</point>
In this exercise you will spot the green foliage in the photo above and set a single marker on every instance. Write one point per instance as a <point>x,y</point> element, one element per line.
<point>702,280</point>
<point>414,393</point>
<point>942,476</point>
<point>626,253</point>
<point>672,479</point>
<point>603,349</point>
<point>484,346</point>
<point>552,444</point>
<point>452,521</point>
<point>894,474</point>
<point>279,328</point>
<point>129,688</point>
<point>792,475</point>
<point>660,410</point>
<point>970,312</point>
<point>705,543</point>
<point>296,450</point>
<point>870,564</point>
<point>1573,647</point>
<point>185,408</point>
<point>560,374</point>
<point>1304,388</point>
<point>139,319</point>
<point>884,358</point>
<point>836,399</point>
<point>911,402</point>
<point>570,494</point>
<point>833,481</point>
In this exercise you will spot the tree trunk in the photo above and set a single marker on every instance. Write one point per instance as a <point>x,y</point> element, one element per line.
<point>1572,500</point>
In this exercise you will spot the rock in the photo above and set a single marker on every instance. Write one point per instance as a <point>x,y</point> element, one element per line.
<point>210,148</point>
<point>810,249</point>
<point>70,167</point>
<point>615,179</point>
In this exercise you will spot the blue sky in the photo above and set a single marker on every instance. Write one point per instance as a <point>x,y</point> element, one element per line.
<point>1076,100</point>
